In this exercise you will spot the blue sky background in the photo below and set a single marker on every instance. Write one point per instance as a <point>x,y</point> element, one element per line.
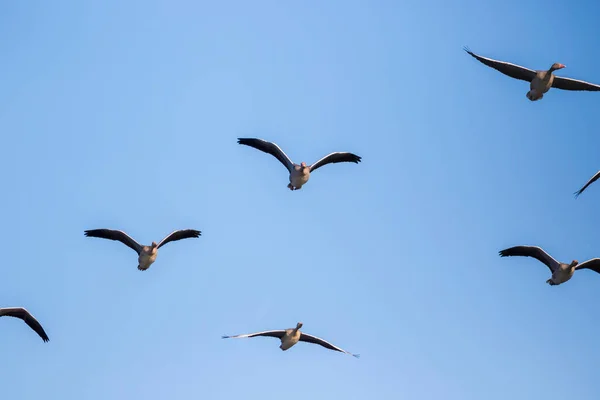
<point>125,115</point>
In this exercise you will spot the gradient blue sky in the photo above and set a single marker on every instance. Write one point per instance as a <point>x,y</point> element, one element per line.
<point>125,114</point>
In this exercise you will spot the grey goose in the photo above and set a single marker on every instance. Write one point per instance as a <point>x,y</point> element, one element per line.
<point>561,272</point>
<point>146,254</point>
<point>540,81</point>
<point>289,337</point>
<point>299,173</point>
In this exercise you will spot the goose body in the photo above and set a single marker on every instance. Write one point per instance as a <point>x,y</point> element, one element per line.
<point>299,176</point>
<point>23,314</point>
<point>147,257</point>
<point>146,254</point>
<point>298,173</point>
<point>561,272</point>
<point>290,337</point>
<point>540,81</point>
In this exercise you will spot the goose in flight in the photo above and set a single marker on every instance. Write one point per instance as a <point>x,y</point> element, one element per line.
<point>540,81</point>
<point>146,254</point>
<point>299,174</point>
<point>21,313</point>
<point>290,337</point>
<point>561,272</point>
<point>592,180</point>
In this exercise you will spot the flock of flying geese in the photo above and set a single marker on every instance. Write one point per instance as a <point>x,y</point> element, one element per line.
<point>298,177</point>
<point>541,82</point>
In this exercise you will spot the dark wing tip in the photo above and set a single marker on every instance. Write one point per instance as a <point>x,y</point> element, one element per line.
<point>356,159</point>
<point>577,193</point>
<point>466,48</point>
<point>92,232</point>
<point>196,233</point>
<point>225,337</point>
<point>356,355</point>
<point>520,250</point>
<point>245,140</point>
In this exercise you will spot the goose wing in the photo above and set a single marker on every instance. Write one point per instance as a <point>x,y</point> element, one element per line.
<point>21,313</point>
<point>270,148</point>
<point>335,158</point>
<point>592,180</point>
<point>574,84</point>
<point>593,264</point>
<point>178,235</point>
<point>512,70</point>
<point>531,251</point>
<point>276,334</point>
<point>305,337</point>
<point>115,235</point>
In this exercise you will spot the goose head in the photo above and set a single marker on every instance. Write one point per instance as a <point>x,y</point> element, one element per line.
<point>556,66</point>
<point>298,325</point>
<point>573,263</point>
<point>153,247</point>
<point>303,167</point>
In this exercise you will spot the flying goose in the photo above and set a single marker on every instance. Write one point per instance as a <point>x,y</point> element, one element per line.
<point>592,180</point>
<point>299,174</point>
<point>147,254</point>
<point>561,272</point>
<point>541,81</point>
<point>290,337</point>
<point>21,313</point>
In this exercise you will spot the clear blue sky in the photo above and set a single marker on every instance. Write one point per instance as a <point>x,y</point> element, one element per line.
<point>125,115</point>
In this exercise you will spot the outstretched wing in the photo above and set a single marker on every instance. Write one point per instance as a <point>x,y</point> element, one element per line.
<point>509,69</point>
<point>573,84</point>
<point>21,313</point>
<point>335,158</point>
<point>276,334</point>
<point>115,235</point>
<point>305,337</point>
<point>593,264</point>
<point>178,235</point>
<point>592,180</point>
<point>531,251</point>
<point>270,148</point>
